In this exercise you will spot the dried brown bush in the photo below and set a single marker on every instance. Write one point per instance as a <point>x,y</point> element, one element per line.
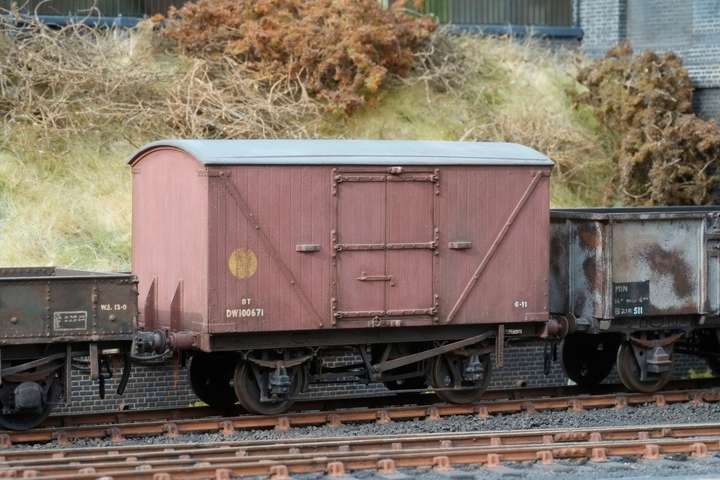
<point>78,80</point>
<point>341,51</point>
<point>665,154</point>
<point>70,78</point>
<point>221,99</point>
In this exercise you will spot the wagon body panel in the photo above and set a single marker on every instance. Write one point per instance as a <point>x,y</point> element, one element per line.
<point>627,263</point>
<point>170,240</point>
<point>47,305</point>
<point>259,282</point>
<point>304,236</point>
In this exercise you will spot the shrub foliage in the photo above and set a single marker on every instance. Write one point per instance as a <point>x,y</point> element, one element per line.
<point>77,79</point>
<point>340,51</point>
<point>665,154</point>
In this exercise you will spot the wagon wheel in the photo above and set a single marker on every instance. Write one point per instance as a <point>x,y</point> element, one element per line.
<point>588,359</point>
<point>709,344</point>
<point>26,420</point>
<point>629,372</point>
<point>210,377</point>
<point>247,388</point>
<point>447,372</point>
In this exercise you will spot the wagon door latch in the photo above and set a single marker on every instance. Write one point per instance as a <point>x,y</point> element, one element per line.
<point>375,278</point>
<point>364,277</point>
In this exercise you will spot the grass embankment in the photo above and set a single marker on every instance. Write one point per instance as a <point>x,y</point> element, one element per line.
<point>75,107</point>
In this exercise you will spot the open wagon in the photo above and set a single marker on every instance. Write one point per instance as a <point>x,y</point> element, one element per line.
<point>54,320</point>
<point>636,285</point>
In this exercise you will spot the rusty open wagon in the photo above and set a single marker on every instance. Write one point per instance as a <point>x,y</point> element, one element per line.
<point>636,285</point>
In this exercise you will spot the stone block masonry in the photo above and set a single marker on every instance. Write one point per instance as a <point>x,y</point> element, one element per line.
<point>707,103</point>
<point>690,28</point>
<point>603,24</point>
<point>168,386</point>
<point>163,386</point>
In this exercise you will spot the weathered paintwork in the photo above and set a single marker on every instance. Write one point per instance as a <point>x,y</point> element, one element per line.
<point>299,236</point>
<point>49,305</point>
<point>646,262</point>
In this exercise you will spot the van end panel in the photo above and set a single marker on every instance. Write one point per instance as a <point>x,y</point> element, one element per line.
<point>169,244</point>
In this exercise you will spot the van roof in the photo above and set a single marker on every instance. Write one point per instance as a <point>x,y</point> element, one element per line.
<point>349,152</point>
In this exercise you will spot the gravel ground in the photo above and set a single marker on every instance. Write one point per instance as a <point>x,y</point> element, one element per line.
<point>676,467</point>
<point>646,415</point>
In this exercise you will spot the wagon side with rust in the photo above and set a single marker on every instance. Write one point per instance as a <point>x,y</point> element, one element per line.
<point>54,320</point>
<point>258,254</point>
<point>636,285</point>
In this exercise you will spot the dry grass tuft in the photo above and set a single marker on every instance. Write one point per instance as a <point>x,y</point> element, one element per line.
<point>75,78</point>
<point>535,108</point>
<point>78,78</point>
<point>221,99</point>
<point>65,201</point>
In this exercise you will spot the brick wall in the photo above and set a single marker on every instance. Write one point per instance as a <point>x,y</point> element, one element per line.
<point>707,103</point>
<point>603,24</point>
<point>690,28</point>
<point>167,387</point>
<point>149,387</point>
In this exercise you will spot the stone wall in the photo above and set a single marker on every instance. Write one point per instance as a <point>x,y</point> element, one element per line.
<point>603,24</point>
<point>690,28</point>
<point>168,386</point>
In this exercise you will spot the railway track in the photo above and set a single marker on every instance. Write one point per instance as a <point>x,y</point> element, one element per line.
<point>173,423</point>
<point>395,398</point>
<point>338,456</point>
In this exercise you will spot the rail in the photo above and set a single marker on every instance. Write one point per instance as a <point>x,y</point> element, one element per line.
<point>338,456</point>
<point>173,424</point>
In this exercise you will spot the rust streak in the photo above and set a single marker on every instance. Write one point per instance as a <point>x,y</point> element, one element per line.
<point>591,272</point>
<point>589,235</point>
<point>671,263</point>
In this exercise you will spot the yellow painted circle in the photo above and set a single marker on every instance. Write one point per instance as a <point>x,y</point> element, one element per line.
<point>242,263</point>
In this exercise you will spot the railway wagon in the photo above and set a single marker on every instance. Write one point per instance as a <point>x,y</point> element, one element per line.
<point>423,258</point>
<point>55,320</point>
<point>636,286</point>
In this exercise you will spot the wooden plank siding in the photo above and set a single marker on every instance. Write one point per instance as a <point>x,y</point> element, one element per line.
<point>541,13</point>
<point>106,8</point>
<point>545,13</point>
